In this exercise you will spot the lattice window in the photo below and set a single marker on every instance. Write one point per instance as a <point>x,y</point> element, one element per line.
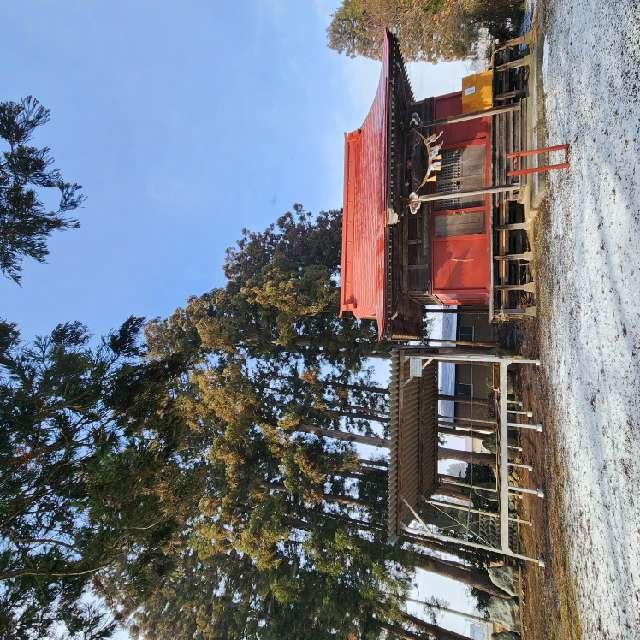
<point>462,170</point>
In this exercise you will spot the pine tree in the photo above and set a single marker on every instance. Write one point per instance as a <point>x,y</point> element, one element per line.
<point>25,172</point>
<point>85,471</point>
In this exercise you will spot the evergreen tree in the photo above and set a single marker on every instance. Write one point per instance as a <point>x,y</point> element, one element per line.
<point>25,171</point>
<point>281,302</point>
<point>427,30</point>
<point>87,470</point>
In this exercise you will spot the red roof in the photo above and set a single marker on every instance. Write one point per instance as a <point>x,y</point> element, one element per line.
<point>364,213</point>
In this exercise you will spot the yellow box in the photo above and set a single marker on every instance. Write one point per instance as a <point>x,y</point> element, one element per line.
<point>477,92</point>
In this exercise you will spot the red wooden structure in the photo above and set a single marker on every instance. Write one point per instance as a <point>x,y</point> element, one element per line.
<point>420,197</point>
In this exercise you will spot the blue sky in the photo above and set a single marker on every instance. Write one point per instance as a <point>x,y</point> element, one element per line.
<point>184,122</point>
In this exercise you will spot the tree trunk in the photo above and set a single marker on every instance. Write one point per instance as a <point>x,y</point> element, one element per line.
<point>438,546</point>
<point>399,631</point>
<point>456,612</point>
<point>471,576</point>
<point>358,414</point>
<point>302,525</point>
<point>373,463</point>
<point>357,387</point>
<point>470,457</point>
<point>344,435</point>
<point>439,633</point>
<point>348,501</point>
<point>339,385</point>
<point>464,492</point>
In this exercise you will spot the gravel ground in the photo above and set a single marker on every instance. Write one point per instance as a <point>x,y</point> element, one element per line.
<point>590,291</point>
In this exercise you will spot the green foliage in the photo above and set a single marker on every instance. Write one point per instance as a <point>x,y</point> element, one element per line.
<point>25,173</point>
<point>187,485</point>
<point>269,360</point>
<point>428,30</point>
<point>280,302</point>
<point>82,474</point>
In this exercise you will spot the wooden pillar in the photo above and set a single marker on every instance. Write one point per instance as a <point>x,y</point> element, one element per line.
<point>470,457</point>
<point>466,194</point>
<point>468,421</point>
<point>462,432</point>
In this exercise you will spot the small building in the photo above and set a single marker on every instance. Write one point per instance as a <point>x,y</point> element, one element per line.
<point>479,510</point>
<point>431,212</point>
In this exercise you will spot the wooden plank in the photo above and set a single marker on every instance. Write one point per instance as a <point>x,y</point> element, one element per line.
<point>503,459</point>
<point>515,64</point>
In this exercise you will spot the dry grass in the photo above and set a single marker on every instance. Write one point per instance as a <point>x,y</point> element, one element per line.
<point>549,610</point>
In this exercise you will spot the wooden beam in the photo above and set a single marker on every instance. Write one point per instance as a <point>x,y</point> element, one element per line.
<point>433,197</point>
<point>461,432</point>
<point>525,38</point>
<point>471,116</point>
<point>544,169</point>
<point>515,64</point>
<point>428,534</point>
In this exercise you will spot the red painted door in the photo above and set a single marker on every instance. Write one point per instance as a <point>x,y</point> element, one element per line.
<point>459,228</point>
<point>460,256</point>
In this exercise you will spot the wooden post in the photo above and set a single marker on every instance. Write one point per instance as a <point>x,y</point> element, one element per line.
<point>461,432</point>
<point>467,543</point>
<point>523,425</point>
<point>537,152</point>
<point>470,457</point>
<point>528,287</point>
<point>532,492</point>
<point>514,226</point>
<point>432,197</point>
<point>527,255</point>
<point>525,38</point>
<point>543,169</point>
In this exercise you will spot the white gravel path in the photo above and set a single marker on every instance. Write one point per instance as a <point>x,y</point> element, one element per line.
<point>591,342</point>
